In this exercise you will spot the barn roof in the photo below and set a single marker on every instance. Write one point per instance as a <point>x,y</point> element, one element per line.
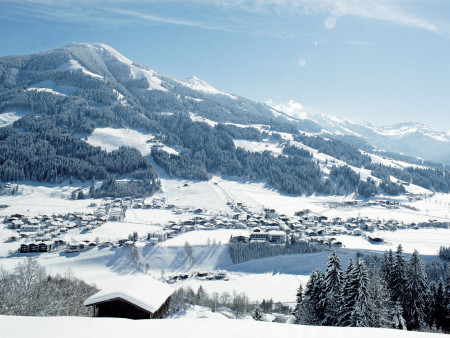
<point>143,291</point>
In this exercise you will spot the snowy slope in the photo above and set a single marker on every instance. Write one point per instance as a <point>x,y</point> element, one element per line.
<point>10,116</point>
<point>73,65</point>
<point>115,327</point>
<point>200,85</point>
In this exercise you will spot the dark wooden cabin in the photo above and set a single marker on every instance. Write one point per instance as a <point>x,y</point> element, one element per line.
<point>122,308</point>
<point>143,298</point>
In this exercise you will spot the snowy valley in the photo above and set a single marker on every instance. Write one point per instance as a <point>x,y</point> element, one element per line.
<point>112,170</point>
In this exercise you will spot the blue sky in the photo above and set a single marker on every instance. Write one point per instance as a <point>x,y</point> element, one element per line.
<point>378,61</point>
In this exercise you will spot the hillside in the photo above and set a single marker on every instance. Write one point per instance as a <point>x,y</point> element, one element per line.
<point>52,102</point>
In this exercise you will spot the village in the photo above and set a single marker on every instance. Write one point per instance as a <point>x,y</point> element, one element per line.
<point>44,233</point>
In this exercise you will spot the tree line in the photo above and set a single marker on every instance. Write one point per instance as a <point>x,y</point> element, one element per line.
<point>395,293</point>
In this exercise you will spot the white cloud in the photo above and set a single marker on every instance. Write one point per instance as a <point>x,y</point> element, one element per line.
<point>291,108</point>
<point>385,10</point>
<point>330,22</point>
<point>394,11</point>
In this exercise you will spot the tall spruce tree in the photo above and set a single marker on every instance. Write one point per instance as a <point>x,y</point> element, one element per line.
<point>360,316</point>
<point>313,299</point>
<point>446,326</point>
<point>440,308</point>
<point>399,278</point>
<point>415,294</point>
<point>387,267</point>
<point>298,306</point>
<point>348,295</point>
<point>332,285</point>
<point>380,304</point>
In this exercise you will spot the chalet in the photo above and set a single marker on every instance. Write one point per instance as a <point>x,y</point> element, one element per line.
<point>45,246</point>
<point>132,298</point>
<point>30,227</point>
<point>240,239</point>
<point>258,236</point>
<point>17,224</point>
<point>277,237</point>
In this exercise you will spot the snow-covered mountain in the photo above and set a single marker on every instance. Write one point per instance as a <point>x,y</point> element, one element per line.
<point>412,139</point>
<point>80,91</point>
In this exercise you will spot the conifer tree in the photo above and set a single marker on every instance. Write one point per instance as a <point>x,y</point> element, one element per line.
<point>416,287</point>
<point>387,266</point>
<point>440,308</point>
<point>348,296</point>
<point>298,306</point>
<point>380,304</point>
<point>399,278</point>
<point>313,299</point>
<point>360,316</point>
<point>257,314</point>
<point>332,289</point>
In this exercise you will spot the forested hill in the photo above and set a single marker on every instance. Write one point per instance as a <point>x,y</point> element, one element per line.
<point>51,101</point>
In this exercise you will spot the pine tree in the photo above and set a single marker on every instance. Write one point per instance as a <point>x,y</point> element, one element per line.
<point>298,306</point>
<point>387,267</point>
<point>446,326</point>
<point>201,296</point>
<point>415,294</point>
<point>313,299</point>
<point>440,307</point>
<point>429,305</point>
<point>360,316</point>
<point>332,289</point>
<point>257,314</point>
<point>348,296</point>
<point>380,304</point>
<point>399,278</point>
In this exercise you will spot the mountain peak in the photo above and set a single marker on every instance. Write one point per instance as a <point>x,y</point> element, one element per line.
<point>198,84</point>
<point>195,83</point>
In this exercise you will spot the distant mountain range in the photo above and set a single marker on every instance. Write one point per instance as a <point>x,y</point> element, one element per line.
<point>412,139</point>
<point>68,92</point>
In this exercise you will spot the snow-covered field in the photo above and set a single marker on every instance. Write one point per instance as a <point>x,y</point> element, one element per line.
<point>196,325</point>
<point>273,277</point>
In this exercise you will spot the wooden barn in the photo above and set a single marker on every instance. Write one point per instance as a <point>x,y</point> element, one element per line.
<point>133,298</point>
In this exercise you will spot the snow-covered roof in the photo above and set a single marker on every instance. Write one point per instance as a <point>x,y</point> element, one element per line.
<point>146,293</point>
<point>277,233</point>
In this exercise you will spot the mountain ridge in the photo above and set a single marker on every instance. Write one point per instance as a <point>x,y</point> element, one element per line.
<point>75,89</point>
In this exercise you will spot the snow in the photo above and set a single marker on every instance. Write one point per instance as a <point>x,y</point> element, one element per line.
<point>255,146</point>
<point>10,116</point>
<point>110,139</point>
<point>193,326</point>
<point>111,231</point>
<point>256,286</point>
<point>136,71</point>
<point>152,78</point>
<point>201,237</point>
<point>144,292</point>
<point>196,312</point>
<point>73,65</point>
<point>197,118</point>
<point>425,241</point>
<point>390,162</point>
<point>200,85</point>
<point>44,198</point>
<point>51,87</point>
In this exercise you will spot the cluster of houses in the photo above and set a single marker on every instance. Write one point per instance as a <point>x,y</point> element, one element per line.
<point>43,233</point>
<point>202,275</point>
<point>278,229</point>
<point>46,227</point>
